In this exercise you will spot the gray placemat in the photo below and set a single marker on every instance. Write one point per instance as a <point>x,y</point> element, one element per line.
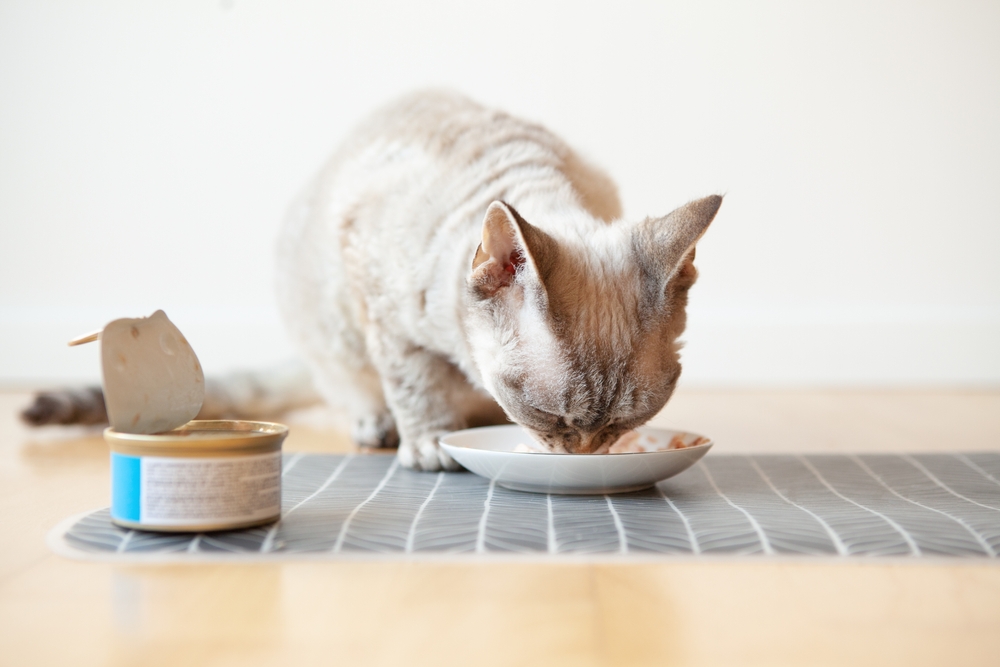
<point>834,505</point>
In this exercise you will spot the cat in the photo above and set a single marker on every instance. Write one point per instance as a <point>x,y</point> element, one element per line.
<point>452,265</point>
<point>451,260</point>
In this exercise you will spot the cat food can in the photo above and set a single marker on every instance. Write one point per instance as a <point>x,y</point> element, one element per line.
<point>202,476</point>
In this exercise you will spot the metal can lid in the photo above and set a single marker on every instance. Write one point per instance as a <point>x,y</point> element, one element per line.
<point>202,438</point>
<point>152,379</point>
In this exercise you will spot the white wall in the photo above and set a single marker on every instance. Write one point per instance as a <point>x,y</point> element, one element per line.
<point>148,150</point>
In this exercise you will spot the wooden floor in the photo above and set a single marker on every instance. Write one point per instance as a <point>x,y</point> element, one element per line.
<point>725,612</point>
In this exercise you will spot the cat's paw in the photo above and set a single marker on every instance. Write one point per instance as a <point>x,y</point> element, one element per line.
<point>377,430</point>
<point>426,453</point>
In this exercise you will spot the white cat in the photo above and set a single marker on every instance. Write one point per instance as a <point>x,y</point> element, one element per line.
<point>452,263</point>
<point>452,266</point>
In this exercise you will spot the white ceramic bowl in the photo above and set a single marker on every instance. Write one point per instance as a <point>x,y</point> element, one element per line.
<point>488,451</point>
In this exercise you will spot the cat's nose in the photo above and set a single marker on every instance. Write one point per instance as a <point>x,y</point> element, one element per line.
<point>583,442</point>
<point>591,443</point>
<point>599,441</point>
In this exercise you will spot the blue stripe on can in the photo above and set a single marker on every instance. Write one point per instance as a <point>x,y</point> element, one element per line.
<point>126,481</point>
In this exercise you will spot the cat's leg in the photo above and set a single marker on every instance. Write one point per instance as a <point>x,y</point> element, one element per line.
<point>428,397</point>
<point>373,422</point>
<point>375,429</point>
<point>324,313</point>
<point>357,388</point>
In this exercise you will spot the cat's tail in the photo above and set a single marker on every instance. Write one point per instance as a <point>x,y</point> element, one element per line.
<point>264,394</point>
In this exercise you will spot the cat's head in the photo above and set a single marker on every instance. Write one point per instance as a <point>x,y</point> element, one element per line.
<point>574,331</point>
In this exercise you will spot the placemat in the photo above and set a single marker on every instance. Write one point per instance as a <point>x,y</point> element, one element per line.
<point>870,505</point>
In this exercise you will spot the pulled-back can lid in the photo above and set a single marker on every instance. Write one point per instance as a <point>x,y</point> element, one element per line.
<point>152,379</point>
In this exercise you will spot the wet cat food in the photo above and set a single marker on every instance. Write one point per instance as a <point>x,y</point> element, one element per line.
<point>632,442</point>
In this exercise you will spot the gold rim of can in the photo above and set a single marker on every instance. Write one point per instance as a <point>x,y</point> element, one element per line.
<point>213,437</point>
<point>194,527</point>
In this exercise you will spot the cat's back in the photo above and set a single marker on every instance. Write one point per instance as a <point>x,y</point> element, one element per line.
<point>443,124</point>
<point>414,180</point>
<point>445,127</point>
<point>445,145</point>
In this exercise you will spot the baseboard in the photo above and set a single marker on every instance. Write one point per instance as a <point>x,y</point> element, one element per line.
<point>831,354</point>
<point>721,351</point>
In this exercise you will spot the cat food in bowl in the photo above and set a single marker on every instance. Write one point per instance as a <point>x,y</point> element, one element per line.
<point>633,442</point>
<point>493,452</point>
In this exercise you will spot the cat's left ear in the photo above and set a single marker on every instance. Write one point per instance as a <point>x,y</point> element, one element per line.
<point>510,247</point>
<point>663,244</point>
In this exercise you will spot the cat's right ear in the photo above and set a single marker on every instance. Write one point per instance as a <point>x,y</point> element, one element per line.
<point>510,247</point>
<point>662,245</point>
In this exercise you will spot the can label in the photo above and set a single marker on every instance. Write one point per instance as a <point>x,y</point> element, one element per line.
<point>174,491</point>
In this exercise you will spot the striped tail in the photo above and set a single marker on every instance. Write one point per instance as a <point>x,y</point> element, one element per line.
<point>67,406</point>
<point>262,394</point>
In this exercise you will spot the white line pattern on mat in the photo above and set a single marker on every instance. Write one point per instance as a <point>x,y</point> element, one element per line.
<point>910,542</point>
<point>695,547</point>
<point>979,538</point>
<point>268,542</point>
<point>124,543</point>
<point>350,517</point>
<point>764,542</point>
<point>295,458</point>
<point>831,533</point>
<point>411,535</point>
<point>972,464</point>
<point>933,478</point>
<point>481,535</point>
<point>552,545</point>
<point>622,540</point>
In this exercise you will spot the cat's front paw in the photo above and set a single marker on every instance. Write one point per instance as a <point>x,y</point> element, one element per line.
<point>375,430</point>
<point>426,453</point>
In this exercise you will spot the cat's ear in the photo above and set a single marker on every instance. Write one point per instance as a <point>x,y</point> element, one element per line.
<point>510,247</point>
<point>663,244</point>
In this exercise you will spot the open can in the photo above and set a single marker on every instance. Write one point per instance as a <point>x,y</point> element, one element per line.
<point>169,471</point>
<point>203,476</point>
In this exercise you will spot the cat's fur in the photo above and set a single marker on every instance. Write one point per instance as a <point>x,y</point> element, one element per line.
<point>451,260</point>
<point>453,265</point>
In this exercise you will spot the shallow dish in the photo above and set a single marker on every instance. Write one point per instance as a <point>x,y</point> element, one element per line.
<point>488,452</point>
